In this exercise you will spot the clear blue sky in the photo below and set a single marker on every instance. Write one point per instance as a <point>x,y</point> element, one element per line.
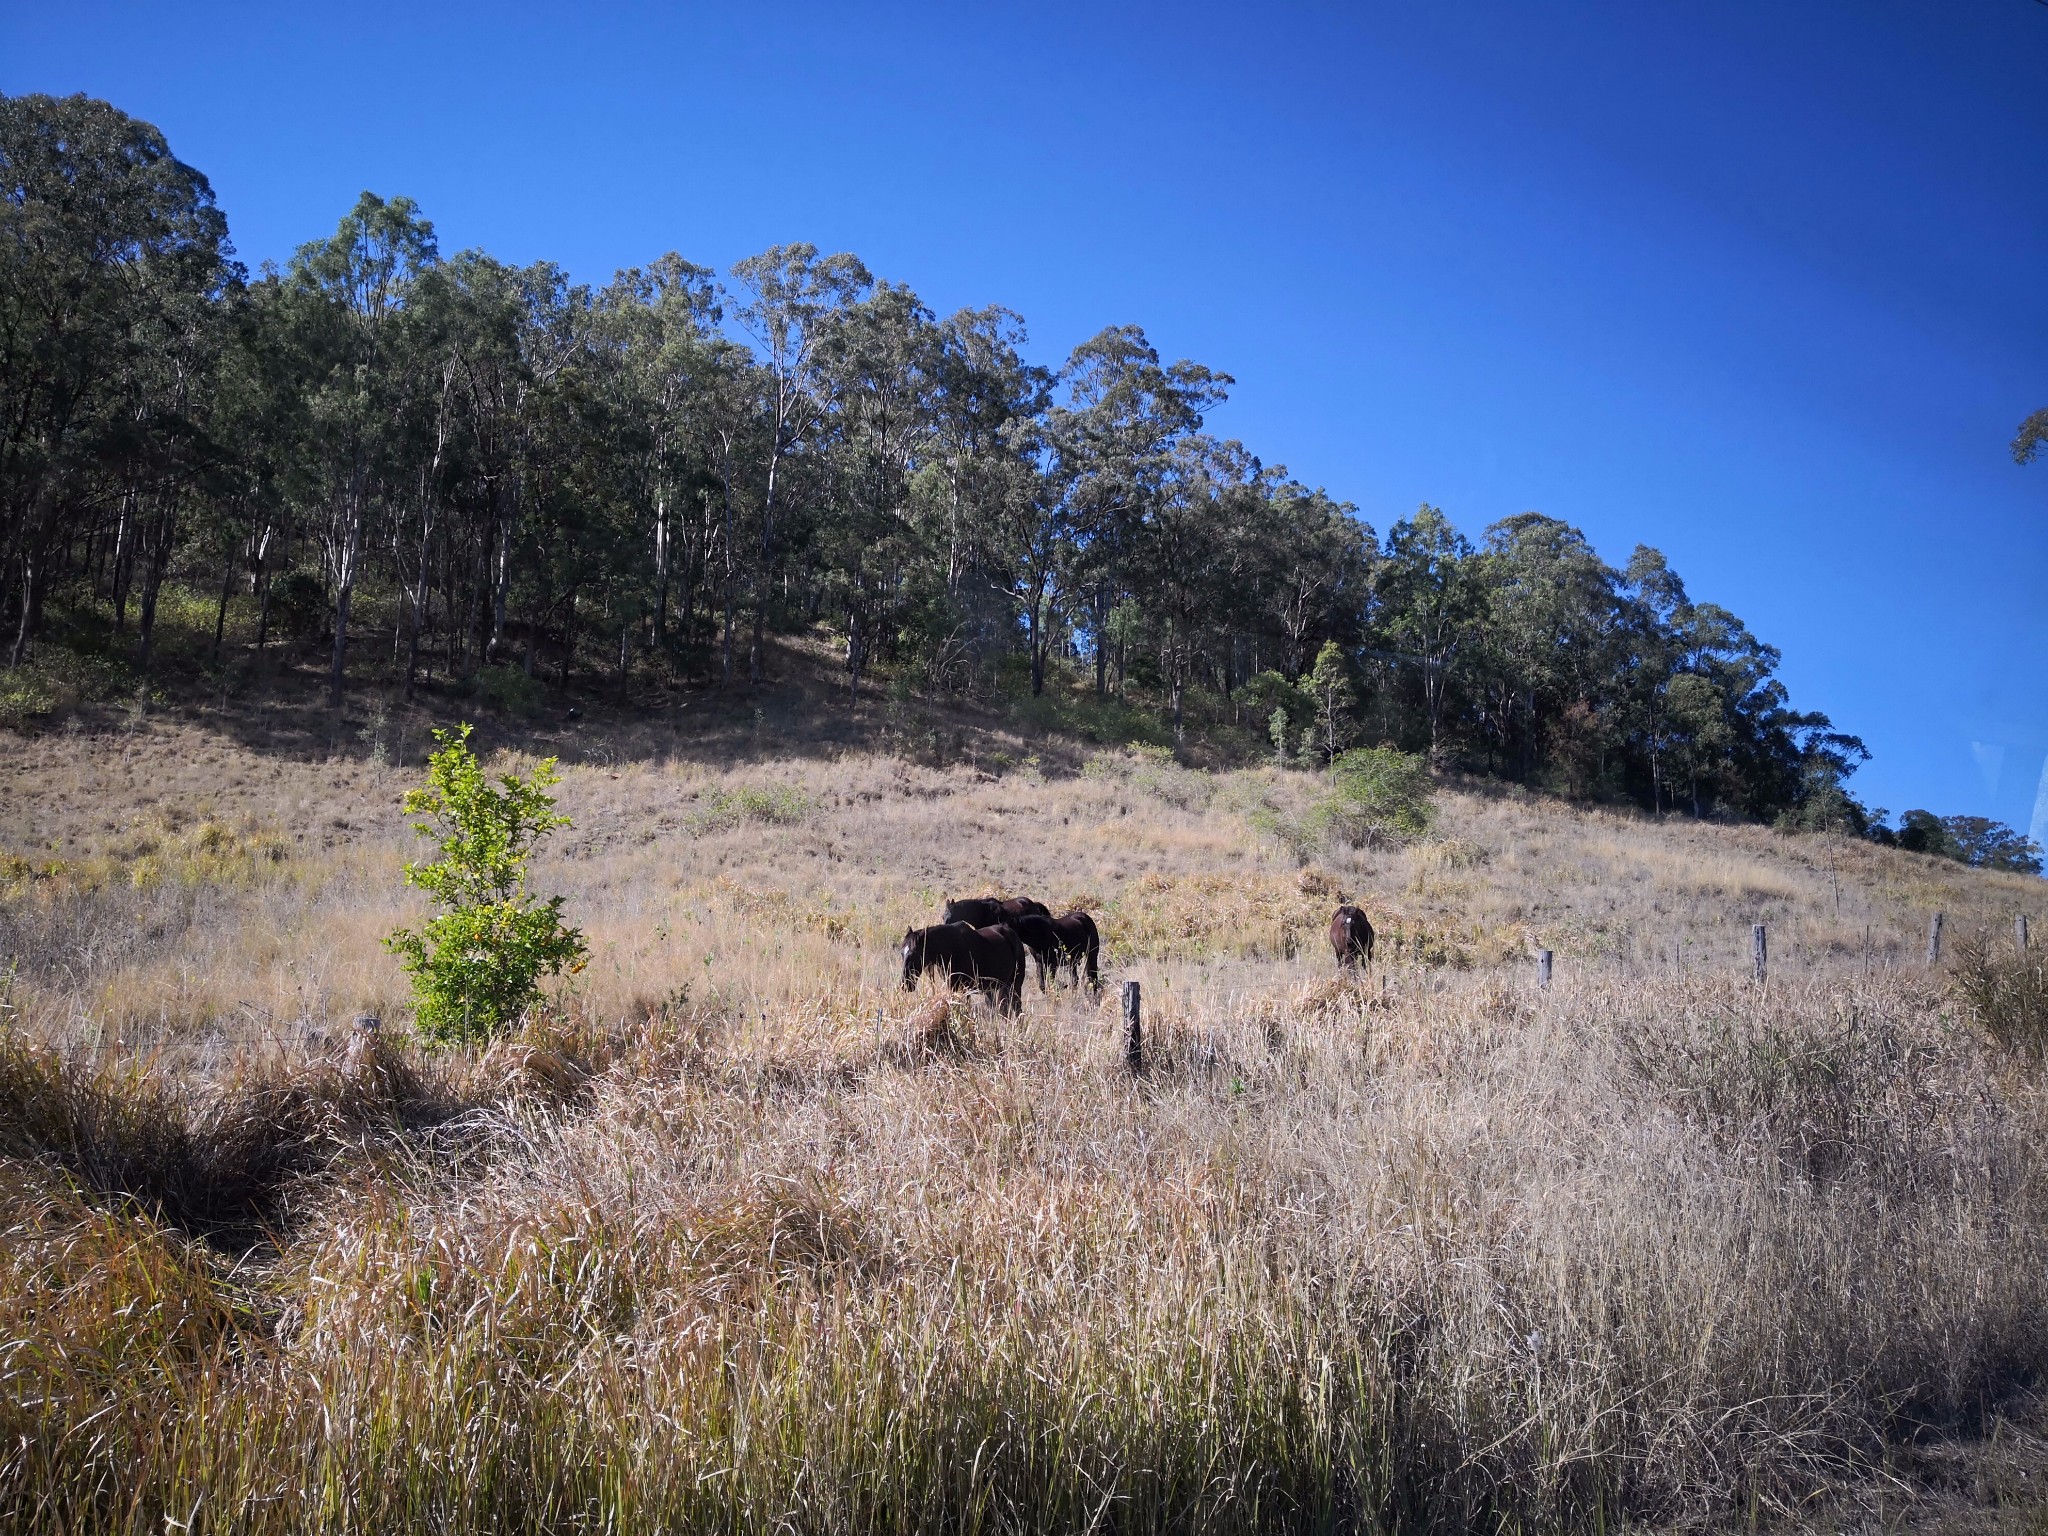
<point>1762,284</point>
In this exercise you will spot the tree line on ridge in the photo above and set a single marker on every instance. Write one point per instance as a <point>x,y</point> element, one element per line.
<point>447,467</point>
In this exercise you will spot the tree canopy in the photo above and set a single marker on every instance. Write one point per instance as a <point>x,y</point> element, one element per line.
<point>445,465</point>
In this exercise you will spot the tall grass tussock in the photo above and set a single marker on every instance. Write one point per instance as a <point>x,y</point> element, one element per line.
<point>737,1235</point>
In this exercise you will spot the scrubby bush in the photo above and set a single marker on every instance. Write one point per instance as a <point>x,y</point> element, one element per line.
<point>777,804</point>
<point>1378,797</point>
<point>299,606</point>
<point>25,695</point>
<point>509,690</point>
<point>2007,994</point>
<point>1286,710</point>
<point>478,965</point>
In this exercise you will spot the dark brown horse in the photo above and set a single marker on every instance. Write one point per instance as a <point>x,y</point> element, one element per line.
<point>1079,944</point>
<point>989,958</point>
<point>1351,937</point>
<point>987,911</point>
<point>1056,941</point>
<point>1041,939</point>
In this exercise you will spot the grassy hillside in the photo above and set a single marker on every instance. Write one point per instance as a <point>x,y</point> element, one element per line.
<point>741,1235</point>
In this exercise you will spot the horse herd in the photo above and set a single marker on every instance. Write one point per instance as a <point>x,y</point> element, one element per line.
<point>982,942</point>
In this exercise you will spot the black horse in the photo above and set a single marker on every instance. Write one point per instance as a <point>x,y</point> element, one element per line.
<point>1079,944</point>
<point>1041,938</point>
<point>1351,937</point>
<point>989,958</point>
<point>987,911</point>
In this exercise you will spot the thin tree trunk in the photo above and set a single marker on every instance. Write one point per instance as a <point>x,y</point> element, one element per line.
<point>1101,615</point>
<point>121,557</point>
<point>163,535</point>
<point>19,654</point>
<point>343,597</point>
<point>220,616</point>
<point>661,564</point>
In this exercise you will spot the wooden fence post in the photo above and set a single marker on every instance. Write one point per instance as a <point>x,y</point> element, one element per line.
<point>1543,968</point>
<point>1759,952</point>
<point>1934,941</point>
<point>2019,931</point>
<point>1134,1039</point>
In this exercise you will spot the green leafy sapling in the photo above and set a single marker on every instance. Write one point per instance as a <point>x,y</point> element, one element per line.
<point>1336,701</point>
<point>478,965</point>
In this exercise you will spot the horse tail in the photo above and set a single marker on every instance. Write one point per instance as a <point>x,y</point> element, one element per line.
<point>1094,949</point>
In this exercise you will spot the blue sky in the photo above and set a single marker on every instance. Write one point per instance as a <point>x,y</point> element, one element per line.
<point>1764,285</point>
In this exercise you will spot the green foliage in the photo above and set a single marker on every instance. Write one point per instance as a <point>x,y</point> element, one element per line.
<point>1378,797</point>
<point>2033,434</point>
<point>776,804</point>
<point>1986,844</point>
<point>298,606</point>
<point>25,695</point>
<point>1923,832</point>
<point>1336,700</point>
<point>1974,840</point>
<point>510,690</point>
<point>479,964</point>
<point>1286,709</point>
<point>1824,805</point>
<point>958,506</point>
<point>55,679</point>
<point>1102,720</point>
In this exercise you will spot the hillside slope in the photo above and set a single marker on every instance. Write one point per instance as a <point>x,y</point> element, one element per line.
<point>742,1234</point>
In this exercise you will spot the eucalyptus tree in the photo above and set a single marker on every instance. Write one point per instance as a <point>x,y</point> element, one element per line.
<point>664,321</point>
<point>353,288</point>
<point>736,432</point>
<point>261,424</point>
<point>1431,606</point>
<point>1318,582</point>
<point>1112,442</point>
<point>108,244</point>
<point>163,440</point>
<point>881,359</point>
<point>985,402</point>
<point>1653,606</point>
<point>789,298</point>
<point>1547,643</point>
<point>566,444</point>
<point>2032,436</point>
<point>1188,548</point>
<point>990,537</point>
<point>1035,524</point>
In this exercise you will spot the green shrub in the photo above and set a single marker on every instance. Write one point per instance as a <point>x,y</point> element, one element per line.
<point>777,804</point>
<point>299,606</point>
<point>1378,798</point>
<point>509,690</point>
<point>1285,709</point>
<point>1079,713</point>
<point>58,678</point>
<point>478,965</point>
<point>25,695</point>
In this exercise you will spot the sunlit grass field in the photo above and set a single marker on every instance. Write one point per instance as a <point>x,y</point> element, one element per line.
<point>741,1236</point>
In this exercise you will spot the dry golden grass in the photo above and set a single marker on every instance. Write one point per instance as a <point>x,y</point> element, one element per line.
<point>743,1236</point>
